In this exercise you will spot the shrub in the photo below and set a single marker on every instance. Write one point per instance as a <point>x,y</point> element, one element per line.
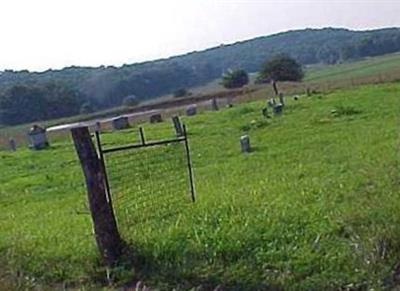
<point>235,79</point>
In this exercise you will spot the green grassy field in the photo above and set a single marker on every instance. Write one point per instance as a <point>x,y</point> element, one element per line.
<point>314,206</point>
<point>375,66</point>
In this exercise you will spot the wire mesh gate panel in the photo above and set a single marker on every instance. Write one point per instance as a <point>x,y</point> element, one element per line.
<point>148,180</point>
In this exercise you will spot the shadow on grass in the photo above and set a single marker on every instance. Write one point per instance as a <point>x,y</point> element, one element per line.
<point>164,276</point>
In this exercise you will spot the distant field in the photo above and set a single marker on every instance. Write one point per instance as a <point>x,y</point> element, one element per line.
<point>378,66</point>
<point>315,206</point>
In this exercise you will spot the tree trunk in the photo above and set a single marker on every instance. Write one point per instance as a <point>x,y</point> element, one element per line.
<point>275,87</point>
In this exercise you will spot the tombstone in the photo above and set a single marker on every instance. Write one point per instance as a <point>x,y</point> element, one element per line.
<point>13,144</point>
<point>281,99</point>
<point>278,108</point>
<point>155,118</point>
<point>271,102</point>
<point>245,143</point>
<point>37,138</point>
<point>214,104</point>
<point>177,125</point>
<point>121,122</point>
<point>191,110</point>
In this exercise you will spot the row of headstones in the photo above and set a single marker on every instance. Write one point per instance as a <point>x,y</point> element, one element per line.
<point>277,107</point>
<point>37,136</point>
<point>122,122</point>
<point>37,139</point>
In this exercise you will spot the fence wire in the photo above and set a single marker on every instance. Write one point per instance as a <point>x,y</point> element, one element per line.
<point>148,183</point>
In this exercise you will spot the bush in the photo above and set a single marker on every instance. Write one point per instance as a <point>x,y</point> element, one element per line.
<point>235,79</point>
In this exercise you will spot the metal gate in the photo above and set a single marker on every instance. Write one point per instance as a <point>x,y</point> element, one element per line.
<point>145,180</point>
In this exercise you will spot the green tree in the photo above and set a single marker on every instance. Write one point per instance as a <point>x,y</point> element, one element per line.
<point>281,68</point>
<point>21,104</point>
<point>235,79</point>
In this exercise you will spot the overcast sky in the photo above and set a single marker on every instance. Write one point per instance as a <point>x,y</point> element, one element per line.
<point>42,34</point>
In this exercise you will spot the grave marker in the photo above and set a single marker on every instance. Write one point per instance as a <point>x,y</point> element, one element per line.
<point>37,138</point>
<point>13,144</point>
<point>278,108</point>
<point>120,122</point>
<point>155,118</point>
<point>245,143</point>
<point>191,110</point>
<point>281,99</point>
<point>214,104</point>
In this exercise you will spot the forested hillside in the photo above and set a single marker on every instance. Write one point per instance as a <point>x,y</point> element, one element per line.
<point>58,93</point>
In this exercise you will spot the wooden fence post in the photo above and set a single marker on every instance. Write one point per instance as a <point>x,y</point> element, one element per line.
<point>177,125</point>
<point>105,227</point>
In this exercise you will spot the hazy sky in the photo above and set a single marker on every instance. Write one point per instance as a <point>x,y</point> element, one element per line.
<point>42,34</point>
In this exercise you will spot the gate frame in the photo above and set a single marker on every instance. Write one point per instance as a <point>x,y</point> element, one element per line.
<point>144,144</point>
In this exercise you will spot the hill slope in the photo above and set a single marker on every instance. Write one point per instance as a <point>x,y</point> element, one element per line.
<point>105,87</point>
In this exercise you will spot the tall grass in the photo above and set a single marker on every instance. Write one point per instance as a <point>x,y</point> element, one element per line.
<point>314,206</point>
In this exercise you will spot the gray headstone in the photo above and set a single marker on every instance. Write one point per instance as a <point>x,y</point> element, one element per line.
<point>281,99</point>
<point>245,143</point>
<point>191,110</point>
<point>37,138</point>
<point>155,118</point>
<point>177,125</point>
<point>214,104</point>
<point>13,144</point>
<point>278,108</point>
<point>271,102</point>
<point>120,123</point>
